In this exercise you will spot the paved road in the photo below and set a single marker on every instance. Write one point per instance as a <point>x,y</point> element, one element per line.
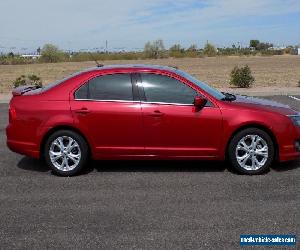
<point>142,205</point>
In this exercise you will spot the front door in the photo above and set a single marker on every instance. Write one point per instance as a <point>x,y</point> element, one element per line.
<point>173,127</point>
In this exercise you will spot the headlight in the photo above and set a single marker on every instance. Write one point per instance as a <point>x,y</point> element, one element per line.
<point>295,119</point>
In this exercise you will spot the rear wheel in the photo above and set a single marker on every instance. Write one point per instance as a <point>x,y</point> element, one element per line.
<point>251,151</point>
<point>66,152</point>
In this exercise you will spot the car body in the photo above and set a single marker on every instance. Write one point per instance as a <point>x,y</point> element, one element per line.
<point>145,112</point>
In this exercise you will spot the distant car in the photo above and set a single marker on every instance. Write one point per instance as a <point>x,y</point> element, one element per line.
<point>147,112</point>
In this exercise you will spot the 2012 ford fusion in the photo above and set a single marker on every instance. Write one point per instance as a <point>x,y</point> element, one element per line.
<point>147,112</point>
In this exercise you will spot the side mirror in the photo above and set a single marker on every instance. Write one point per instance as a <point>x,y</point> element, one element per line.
<point>199,102</point>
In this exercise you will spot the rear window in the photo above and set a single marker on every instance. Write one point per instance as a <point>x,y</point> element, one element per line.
<point>56,83</point>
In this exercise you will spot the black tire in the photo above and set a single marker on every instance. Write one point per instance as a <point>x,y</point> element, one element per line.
<point>233,146</point>
<point>83,146</point>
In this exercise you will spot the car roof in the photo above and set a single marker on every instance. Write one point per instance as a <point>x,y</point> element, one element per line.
<point>131,66</point>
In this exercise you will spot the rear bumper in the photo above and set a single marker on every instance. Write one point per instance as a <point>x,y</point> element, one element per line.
<point>16,145</point>
<point>23,148</point>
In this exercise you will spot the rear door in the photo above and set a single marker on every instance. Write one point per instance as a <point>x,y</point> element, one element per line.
<point>107,110</point>
<point>172,126</point>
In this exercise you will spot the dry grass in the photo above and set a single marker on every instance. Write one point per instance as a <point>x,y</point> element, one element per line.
<point>276,71</point>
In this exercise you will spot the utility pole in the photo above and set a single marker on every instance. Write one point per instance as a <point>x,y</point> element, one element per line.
<point>106,46</point>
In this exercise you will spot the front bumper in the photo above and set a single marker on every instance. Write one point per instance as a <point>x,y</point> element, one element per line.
<point>289,156</point>
<point>289,146</point>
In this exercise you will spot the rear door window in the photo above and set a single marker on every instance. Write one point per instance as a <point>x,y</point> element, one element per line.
<point>108,87</point>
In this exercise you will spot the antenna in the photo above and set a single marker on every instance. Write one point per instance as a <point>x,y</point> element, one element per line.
<point>94,59</point>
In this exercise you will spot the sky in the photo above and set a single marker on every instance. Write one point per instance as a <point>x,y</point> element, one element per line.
<point>129,24</point>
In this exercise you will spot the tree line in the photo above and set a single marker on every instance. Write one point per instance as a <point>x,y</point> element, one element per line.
<point>152,50</point>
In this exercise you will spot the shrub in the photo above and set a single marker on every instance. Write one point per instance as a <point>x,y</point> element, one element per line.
<point>27,80</point>
<point>14,60</point>
<point>155,49</point>
<point>210,50</point>
<point>51,54</point>
<point>176,51</point>
<point>241,77</point>
<point>20,81</point>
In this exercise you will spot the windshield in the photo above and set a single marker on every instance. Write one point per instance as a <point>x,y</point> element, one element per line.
<point>210,90</point>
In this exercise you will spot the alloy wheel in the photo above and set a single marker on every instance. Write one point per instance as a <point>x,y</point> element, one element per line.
<point>252,152</point>
<point>65,153</point>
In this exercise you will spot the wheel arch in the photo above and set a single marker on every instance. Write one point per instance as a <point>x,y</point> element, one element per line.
<point>257,126</point>
<point>61,127</point>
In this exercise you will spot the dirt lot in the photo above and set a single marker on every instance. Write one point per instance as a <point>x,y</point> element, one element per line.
<point>275,71</point>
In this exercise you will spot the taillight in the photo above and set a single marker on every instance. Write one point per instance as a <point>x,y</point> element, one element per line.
<point>12,114</point>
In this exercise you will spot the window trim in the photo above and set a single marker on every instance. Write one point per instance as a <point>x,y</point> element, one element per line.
<point>133,89</point>
<point>96,100</point>
<point>208,105</point>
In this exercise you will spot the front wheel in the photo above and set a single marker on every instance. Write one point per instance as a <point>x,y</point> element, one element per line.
<point>66,152</point>
<point>251,151</point>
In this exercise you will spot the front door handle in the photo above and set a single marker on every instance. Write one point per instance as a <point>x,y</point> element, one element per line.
<point>82,111</point>
<point>156,113</point>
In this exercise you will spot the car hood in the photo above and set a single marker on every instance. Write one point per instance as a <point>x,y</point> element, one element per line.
<point>263,104</point>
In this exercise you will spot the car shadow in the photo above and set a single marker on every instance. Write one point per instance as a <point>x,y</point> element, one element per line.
<point>35,165</point>
<point>286,166</point>
<point>30,164</point>
<point>158,166</point>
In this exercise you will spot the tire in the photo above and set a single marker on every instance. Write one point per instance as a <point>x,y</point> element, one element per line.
<point>251,151</point>
<point>66,152</point>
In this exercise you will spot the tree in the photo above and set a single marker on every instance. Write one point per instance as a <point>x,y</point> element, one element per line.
<point>154,49</point>
<point>51,53</point>
<point>254,43</point>
<point>192,48</point>
<point>177,51</point>
<point>264,46</point>
<point>176,48</point>
<point>210,50</point>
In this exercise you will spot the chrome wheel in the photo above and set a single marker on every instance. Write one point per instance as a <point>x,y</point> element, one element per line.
<point>252,152</point>
<point>65,153</point>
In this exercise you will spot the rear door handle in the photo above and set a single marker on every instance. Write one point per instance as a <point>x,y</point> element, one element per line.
<point>82,111</point>
<point>156,113</point>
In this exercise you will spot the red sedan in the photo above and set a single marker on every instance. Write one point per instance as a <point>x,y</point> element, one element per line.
<point>147,112</point>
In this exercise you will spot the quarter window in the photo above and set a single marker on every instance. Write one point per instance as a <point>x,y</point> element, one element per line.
<point>107,87</point>
<point>82,92</point>
<point>159,88</point>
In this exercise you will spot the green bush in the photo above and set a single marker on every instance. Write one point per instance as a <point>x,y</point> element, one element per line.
<point>52,54</point>
<point>241,77</point>
<point>155,49</point>
<point>15,60</point>
<point>210,50</point>
<point>27,80</point>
